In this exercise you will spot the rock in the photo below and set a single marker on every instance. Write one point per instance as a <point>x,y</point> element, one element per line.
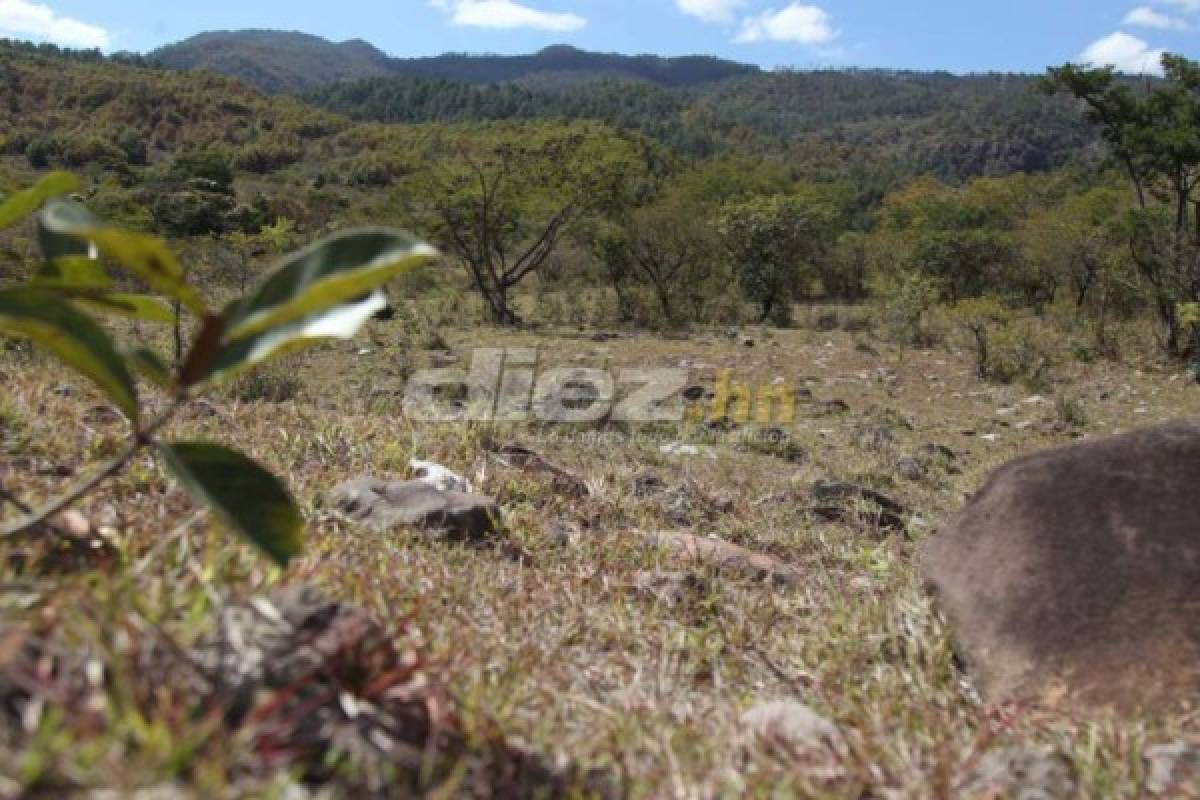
<point>390,504</point>
<point>1173,769</point>
<point>910,469</point>
<point>686,450</point>
<point>839,501</point>
<point>102,415</point>
<point>842,490</point>
<point>72,523</point>
<point>1018,773</point>
<point>1073,578</point>
<point>831,408</point>
<point>561,534</point>
<point>689,549</point>
<point>793,732</point>
<point>647,484</point>
<point>866,349</point>
<point>437,476</point>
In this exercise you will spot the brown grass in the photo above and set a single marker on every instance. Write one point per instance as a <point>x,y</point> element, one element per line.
<point>557,650</point>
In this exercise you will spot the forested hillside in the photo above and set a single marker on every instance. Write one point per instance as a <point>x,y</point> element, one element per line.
<point>276,61</point>
<point>280,62</point>
<point>955,127</point>
<point>952,127</point>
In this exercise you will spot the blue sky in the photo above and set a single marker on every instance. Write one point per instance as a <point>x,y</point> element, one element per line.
<point>955,35</point>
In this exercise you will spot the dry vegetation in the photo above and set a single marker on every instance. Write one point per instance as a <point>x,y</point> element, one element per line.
<point>558,641</point>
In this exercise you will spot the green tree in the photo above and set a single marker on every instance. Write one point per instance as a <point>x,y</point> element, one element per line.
<point>668,246</point>
<point>1154,133</point>
<point>502,200</point>
<point>775,243</point>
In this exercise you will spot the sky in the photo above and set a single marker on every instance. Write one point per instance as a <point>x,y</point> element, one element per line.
<point>954,35</point>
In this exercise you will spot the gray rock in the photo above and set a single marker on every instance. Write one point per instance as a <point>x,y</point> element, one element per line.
<point>1073,578</point>
<point>1173,769</point>
<point>1020,774</point>
<point>910,469</point>
<point>391,504</point>
<point>795,734</point>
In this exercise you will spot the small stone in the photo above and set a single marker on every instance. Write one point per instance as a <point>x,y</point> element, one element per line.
<point>794,733</point>
<point>686,450</point>
<point>437,476</point>
<point>832,407</point>
<point>72,523</point>
<point>1173,769</point>
<point>910,469</point>
<point>561,534</point>
<point>1019,773</point>
<point>391,504</point>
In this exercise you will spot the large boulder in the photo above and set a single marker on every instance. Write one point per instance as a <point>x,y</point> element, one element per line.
<point>1073,578</point>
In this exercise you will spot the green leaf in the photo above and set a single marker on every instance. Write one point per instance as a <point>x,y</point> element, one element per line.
<point>67,272</point>
<point>151,365</point>
<point>332,272</point>
<point>51,321</point>
<point>134,306</point>
<point>145,256</point>
<point>340,322</point>
<point>246,497</point>
<point>22,204</point>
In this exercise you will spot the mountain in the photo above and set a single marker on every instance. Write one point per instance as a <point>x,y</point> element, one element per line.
<point>278,61</point>
<point>563,64</point>
<point>955,127</point>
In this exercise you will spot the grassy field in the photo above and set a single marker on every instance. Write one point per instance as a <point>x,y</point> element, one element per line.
<point>572,638</point>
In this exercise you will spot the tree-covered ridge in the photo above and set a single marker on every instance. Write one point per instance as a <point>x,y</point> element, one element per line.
<point>275,61</point>
<point>279,61</point>
<point>953,127</point>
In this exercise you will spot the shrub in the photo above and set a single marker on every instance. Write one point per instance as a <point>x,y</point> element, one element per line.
<point>906,307</point>
<point>332,287</point>
<point>276,383</point>
<point>268,156</point>
<point>208,164</point>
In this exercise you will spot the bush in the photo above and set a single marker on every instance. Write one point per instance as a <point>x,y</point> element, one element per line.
<point>906,307</point>
<point>277,383</point>
<point>269,156</point>
<point>208,164</point>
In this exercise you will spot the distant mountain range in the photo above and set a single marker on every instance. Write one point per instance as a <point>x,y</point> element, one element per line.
<point>952,126</point>
<point>279,61</point>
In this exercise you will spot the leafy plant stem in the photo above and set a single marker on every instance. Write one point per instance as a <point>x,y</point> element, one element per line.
<point>36,520</point>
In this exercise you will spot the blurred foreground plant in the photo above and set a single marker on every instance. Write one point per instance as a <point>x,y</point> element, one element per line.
<point>328,290</point>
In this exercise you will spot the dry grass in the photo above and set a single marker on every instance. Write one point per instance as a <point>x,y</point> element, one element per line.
<point>557,649</point>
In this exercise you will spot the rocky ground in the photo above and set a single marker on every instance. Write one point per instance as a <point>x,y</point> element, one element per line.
<point>663,610</point>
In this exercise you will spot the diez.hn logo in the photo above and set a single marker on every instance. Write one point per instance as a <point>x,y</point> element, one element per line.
<point>505,385</point>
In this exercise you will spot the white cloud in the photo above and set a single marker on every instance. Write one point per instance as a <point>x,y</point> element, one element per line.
<point>1147,17</point>
<point>796,23</point>
<point>1127,53</point>
<point>23,19</point>
<point>711,10</point>
<point>506,14</point>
